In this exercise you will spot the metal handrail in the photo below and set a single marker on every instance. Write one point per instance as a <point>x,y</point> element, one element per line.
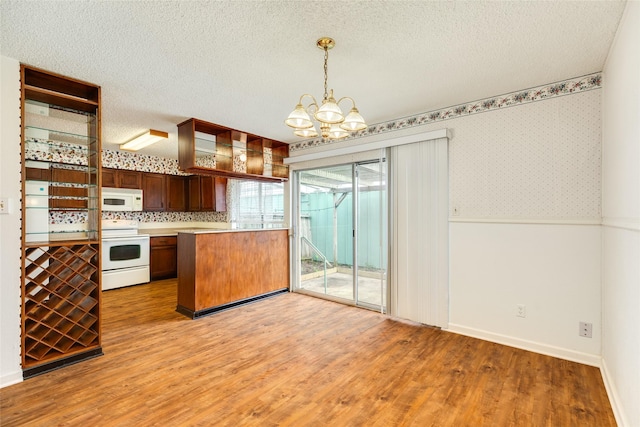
<point>324,258</point>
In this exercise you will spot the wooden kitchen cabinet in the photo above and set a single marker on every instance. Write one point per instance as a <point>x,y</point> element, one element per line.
<point>37,174</point>
<point>207,193</point>
<point>120,178</point>
<point>164,257</point>
<point>109,178</point>
<point>153,192</point>
<point>164,193</point>
<point>194,191</point>
<point>209,281</point>
<point>176,193</point>
<point>129,179</point>
<point>210,149</point>
<point>220,194</point>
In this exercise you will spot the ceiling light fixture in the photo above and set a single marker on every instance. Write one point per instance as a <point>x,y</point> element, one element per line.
<point>144,140</point>
<point>333,123</point>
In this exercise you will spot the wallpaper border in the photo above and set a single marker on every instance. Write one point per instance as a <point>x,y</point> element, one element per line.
<point>525,96</point>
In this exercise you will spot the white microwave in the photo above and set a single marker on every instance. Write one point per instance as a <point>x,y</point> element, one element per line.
<point>121,199</point>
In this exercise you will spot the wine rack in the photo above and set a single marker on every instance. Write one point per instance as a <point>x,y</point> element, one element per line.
<point>61,292</point>
<point>61,277</point>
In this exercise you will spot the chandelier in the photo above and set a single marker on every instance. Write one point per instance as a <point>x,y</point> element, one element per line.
<point>333,123</point>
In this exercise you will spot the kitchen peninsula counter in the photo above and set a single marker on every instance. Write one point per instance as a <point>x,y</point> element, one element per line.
<point>173,231</point>
<point>220,269</point>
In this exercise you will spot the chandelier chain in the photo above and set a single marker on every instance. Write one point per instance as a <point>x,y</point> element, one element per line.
<point>326,58</point>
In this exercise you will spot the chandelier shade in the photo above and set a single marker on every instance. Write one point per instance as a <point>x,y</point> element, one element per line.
<point>306,133</point>
<point>354,121</point>
<point>332,121</point>
<point>329,112</point>
<point>336,132</point>
<point>299,119</point>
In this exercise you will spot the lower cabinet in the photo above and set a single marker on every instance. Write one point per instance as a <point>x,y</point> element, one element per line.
<point>164,257</point>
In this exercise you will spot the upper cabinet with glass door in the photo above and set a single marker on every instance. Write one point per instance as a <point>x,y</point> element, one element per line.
<point>207,148</point>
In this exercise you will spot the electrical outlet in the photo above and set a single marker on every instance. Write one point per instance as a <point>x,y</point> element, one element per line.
<point>586,329</point>
<point>4,205</point>
<point>521,310</point>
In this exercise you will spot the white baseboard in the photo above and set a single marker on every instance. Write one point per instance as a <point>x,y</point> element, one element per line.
<point>548,350</point>
<point>613,396</point>
<point>10,379</point>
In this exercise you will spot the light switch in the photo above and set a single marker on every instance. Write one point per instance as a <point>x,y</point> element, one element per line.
<point>4,205</point>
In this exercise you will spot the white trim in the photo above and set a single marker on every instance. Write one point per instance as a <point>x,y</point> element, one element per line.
<point>363,156</point>
<point>375,145</point>
<point>631,224</point>
<point>537,347</point>
<point>10,379</point>
<point>528,221</point>
<point>614,399</point>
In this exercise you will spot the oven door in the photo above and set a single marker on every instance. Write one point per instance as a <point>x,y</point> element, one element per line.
<point>125,252</point>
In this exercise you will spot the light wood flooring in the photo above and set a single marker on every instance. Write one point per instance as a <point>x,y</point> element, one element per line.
<point>295,360</point>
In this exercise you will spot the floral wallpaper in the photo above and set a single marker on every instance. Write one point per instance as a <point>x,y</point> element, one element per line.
<point>37,149</point>
<point>567,87</point>
<point>139,162</point>
<point>67,217</point>
<point>206,161</point>
<point>168,216</point>
<point>53,151</point>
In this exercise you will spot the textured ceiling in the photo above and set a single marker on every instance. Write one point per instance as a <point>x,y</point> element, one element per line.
<point>244,64</point>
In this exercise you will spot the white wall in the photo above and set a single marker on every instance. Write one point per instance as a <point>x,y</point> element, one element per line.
<point>621,220</point>
<point>525,186</point>
<point>525,183</point>
<point>10,369</point>
<point>533,162</point>
<point>553,270</point>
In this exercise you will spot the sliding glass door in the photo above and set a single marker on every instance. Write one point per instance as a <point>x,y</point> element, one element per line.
<point>371,234</point>
<point>341,233</point>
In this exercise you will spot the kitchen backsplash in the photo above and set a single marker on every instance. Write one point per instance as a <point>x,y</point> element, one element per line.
<point>138,162</point>
<point>168,216</point>
<point>71,217</point>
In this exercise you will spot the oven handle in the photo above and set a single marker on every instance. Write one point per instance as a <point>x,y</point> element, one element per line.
<point>118,239</point>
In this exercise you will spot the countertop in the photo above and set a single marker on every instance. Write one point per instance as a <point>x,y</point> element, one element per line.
<point>219,230</point>
<point>163,232</point>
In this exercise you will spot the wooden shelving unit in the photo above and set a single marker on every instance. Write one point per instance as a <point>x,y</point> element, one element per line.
<point>210,149</point>
<point>61,289</point>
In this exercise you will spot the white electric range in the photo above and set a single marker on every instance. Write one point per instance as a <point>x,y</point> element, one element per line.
<point>125,254</point>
